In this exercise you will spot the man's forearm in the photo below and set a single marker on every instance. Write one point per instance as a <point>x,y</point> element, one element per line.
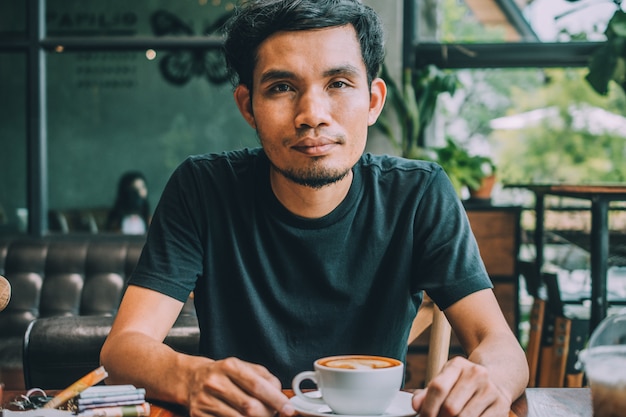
<point>503,356</point>
<point>134,358</point>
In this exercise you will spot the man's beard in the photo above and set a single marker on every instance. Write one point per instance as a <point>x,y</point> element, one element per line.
<point>314,177</point>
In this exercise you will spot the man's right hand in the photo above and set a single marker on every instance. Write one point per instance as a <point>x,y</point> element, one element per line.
<point>232,387</point>
<point>134,353</point>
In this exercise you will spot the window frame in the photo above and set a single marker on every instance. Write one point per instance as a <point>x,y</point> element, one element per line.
<point>35,45</point>
<point>523,54</point>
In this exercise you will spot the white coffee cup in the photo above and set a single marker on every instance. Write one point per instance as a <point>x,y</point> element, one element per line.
<point>353,384</point>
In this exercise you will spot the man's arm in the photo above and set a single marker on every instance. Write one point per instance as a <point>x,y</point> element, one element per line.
<point>134,353</point>
<point>495,373</point>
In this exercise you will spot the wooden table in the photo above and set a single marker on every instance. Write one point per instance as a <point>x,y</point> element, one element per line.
<point>553,402</point>
<point>600,196</point>
<point>536,402</point>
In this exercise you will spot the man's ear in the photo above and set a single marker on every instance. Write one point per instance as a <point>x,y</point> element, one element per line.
<point>378,95</point>
<point>244,103</point>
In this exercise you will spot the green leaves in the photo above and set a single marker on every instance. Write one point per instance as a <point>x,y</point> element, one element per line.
<point>463,168</point>
<point>618,24</point>
<point>414,103</point>
<point>609,61</point>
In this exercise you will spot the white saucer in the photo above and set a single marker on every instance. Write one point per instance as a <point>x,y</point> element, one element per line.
<point>400,407</point>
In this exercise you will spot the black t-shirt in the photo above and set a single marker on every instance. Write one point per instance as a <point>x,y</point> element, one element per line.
<point>280,290</point>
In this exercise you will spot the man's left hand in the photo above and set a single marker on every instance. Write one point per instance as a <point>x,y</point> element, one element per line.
<point>462,388</point>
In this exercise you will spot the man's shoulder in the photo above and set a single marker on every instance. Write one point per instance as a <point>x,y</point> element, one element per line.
<point>234,162</point>
<point>389,163</point>
<point>401,177</point>
<point>245,155</point>
<point>222,170</point>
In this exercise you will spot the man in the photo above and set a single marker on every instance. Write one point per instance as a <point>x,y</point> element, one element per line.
<point>306,247</point>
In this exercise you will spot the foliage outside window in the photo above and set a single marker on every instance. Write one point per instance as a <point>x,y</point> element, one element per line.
<point>576,136</point>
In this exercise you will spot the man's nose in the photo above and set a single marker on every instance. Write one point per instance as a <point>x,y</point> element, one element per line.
<point>312,109</point>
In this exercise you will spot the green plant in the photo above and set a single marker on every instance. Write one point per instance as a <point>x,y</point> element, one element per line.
<point>463,168</point>
<point>414,103</point>
<point>608,62</point>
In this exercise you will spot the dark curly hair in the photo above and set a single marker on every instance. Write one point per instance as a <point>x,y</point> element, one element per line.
<point>256,20</point>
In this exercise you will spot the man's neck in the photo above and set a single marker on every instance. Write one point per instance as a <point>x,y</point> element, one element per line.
<point>306,201</point>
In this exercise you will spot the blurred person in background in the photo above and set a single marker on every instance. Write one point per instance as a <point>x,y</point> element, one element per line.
<point>131,211</point>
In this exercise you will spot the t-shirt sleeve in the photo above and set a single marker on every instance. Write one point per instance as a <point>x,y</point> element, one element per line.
<point>171,259</point>
<point>446,252</point>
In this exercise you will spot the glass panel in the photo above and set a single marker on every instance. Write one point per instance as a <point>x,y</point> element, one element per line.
<point>470,21</point>
<point>13,143</point>
<point>547,126</point>
<point>136,18</point>
<point>12,18</point>
<point>540,125</point>
<point>112,112</point>
<point>563,21</point>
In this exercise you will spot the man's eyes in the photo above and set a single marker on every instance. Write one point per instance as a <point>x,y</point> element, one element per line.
<point>280,88</point>
<point>338,84</point>
<point>285,88</point>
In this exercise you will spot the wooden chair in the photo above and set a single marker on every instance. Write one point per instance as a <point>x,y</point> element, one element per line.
<point>554,354</point>
<point>533,348</point>
<point>429,315</point>
<point>553,341</point>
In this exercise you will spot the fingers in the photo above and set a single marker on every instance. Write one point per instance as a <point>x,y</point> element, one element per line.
<point>438,391</point>
<point>463,389</point>
<point>418,399</point>
<point>257,382</point>
<point>232,387</point>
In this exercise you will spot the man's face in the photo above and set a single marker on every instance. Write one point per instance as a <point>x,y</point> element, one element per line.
<point>311,103</point>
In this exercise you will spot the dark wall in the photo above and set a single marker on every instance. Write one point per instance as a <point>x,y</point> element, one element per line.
<point>113,111</point>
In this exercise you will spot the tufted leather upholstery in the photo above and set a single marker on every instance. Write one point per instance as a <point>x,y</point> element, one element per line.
<point>64,276</point>
<point>60,350</point>
<point>70,276</point>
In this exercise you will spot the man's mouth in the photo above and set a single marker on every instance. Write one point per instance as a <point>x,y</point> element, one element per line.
<point>315,147</point>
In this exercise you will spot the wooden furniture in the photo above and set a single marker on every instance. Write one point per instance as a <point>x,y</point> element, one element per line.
<point>533,347</point>
<point>553,402</point>
<point>554,341</point>
<point>548,346</point>
<point>600,196</point>
<point>554,356</point>
<point>430,316</point>
<point>535,402</point>
<point>497,231</point>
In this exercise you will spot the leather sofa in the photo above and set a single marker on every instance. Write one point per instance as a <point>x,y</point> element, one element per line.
<point>66,289</point>
<point>60,350</point>
<point>84,220</point>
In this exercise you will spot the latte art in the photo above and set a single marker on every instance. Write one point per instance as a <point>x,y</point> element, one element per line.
<point>359,385</point>
<point>364,362</point>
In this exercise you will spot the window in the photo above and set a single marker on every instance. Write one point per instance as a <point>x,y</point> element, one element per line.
<point>13,201</point>
<point>506,33</point>
<point>128,86</point>
<point>66,144</point>
<point>523,99</point>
